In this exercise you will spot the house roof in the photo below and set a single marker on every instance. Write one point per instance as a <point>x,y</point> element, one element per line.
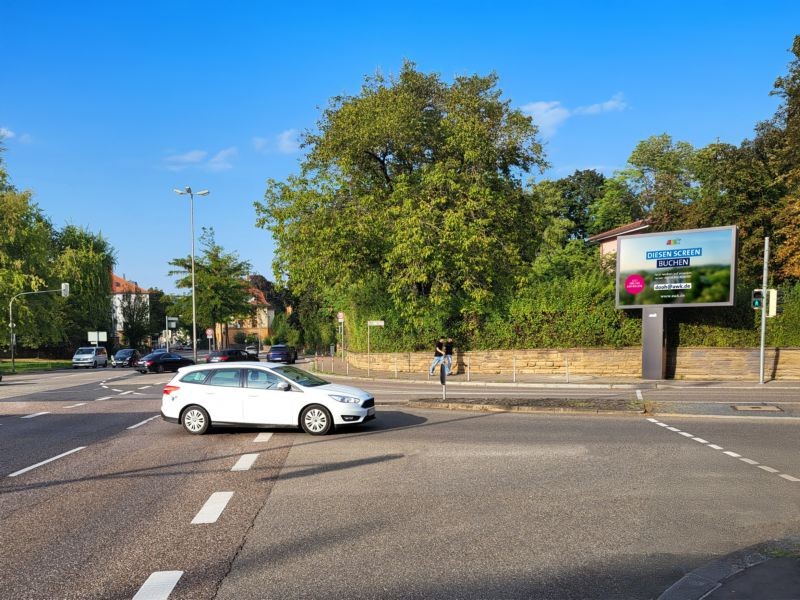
<point>123,286</point>
<point>258,297</point>
<point>639,225</point>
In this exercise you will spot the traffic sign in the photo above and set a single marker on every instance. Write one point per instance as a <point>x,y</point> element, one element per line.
<point>375,323</point>
<point>209,333</point>
<point>340,316</point>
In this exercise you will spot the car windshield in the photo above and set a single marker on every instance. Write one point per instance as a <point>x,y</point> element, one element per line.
<point>300,377</point>
<point>124,353</point>
<point>84,351</point>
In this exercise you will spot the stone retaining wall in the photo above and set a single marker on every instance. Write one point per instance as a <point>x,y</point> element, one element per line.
<point>682,363</point>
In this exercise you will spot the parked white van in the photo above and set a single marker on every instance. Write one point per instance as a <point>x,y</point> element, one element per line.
<point>90,356</point>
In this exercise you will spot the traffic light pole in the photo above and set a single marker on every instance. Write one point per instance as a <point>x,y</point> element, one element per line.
<point>764,284</point>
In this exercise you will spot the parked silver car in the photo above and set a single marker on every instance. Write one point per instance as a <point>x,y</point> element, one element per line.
<point>90,356</point>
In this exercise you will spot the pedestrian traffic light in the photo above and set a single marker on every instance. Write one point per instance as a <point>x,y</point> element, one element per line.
<point>772,303</point>
<point>64,290</point>
<point>758,299</point>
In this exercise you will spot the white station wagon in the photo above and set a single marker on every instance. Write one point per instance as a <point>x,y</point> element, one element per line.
<point>261,394</point>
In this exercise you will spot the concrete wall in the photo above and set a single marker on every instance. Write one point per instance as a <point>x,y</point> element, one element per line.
<point>683,363</point>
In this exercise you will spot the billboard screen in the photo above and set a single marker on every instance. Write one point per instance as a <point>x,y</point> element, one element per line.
<point>695,267</point>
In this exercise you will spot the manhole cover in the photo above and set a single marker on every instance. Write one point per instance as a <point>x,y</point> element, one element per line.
<point>757,407</point>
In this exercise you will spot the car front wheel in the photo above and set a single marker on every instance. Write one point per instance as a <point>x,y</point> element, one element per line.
<point>316,420</point>
<point>195,420</point>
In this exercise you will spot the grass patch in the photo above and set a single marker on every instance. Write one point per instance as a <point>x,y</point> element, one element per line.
<point>26,365</point>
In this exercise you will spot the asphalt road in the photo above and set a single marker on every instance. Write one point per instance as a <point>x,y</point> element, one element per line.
<point>416,504</point>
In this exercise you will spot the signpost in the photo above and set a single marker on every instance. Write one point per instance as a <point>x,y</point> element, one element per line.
<point>209,335</point>
<point>340,318</point>
<point>371,324</point>
<point>171,323</point>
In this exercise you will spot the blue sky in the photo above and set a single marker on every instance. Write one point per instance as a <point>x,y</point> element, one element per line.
<point>106,107</point>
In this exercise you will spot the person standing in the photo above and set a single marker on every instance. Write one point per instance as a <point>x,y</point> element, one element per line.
<point>448,356</point>
<point>438,356</point>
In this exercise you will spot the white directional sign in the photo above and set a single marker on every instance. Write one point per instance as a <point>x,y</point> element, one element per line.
<point>375,323</point>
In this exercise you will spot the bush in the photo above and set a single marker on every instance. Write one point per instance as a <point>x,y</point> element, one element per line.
<point>240,337</point>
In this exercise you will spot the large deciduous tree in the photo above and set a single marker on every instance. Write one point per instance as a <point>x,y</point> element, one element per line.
<point>221,285</point>
<point>413,187</point>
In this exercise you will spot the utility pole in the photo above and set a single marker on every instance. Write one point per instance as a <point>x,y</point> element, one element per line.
<point>764,284</point>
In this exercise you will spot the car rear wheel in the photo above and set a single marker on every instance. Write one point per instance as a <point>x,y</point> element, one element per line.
<point>316,420</point>
<point>195,420</point>
<point>159,368</point>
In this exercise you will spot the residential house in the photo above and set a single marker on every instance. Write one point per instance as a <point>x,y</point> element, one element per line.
<point>258,322</point>
<point>121,287</point>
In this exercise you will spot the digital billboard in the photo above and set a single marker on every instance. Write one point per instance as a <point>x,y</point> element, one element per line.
<point>695,267</point>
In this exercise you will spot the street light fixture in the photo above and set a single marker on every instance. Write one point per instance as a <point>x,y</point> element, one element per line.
<point>191,195</point>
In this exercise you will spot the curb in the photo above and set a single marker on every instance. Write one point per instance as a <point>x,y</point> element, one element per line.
<point>519,409</point>
<point>711,576</point>
<point>576,386</point>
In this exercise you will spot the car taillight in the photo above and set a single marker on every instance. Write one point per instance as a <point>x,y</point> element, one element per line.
<point>149,362</point>
<point>223,358</point>
<point>168,389</point>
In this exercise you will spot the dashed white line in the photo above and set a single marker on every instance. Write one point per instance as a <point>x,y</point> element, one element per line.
<point>159,585</point>
<point>44,462</point>
<point>245,462</point>
<point>144,387</point>
<point>730,453</point>
<point>143,422</point>
<point>39,414</point>
<point>75,405</point>
<point>263,437</point>
<point>213,508</point>
<point>104,398</point>
<point>126,393</point>
<point>115,390</point>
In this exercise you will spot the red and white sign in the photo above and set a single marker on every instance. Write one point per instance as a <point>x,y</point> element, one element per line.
<point>209,333</point>
<point>340,316</point>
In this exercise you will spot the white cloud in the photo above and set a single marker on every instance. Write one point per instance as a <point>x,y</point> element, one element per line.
<point>221,160</point>
<point>6,133</point>
<point>288,142</point>
<point>26,138</point>
<point>549,116</point>
<point>199,159</point>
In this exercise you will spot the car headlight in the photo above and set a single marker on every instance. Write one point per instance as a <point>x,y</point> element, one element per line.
<point>346,399</point>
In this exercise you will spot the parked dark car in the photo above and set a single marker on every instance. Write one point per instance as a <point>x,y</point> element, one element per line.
<point>127,357</point>
<point>162,361</point>
<point>282,353</point>
<point>229,355</point>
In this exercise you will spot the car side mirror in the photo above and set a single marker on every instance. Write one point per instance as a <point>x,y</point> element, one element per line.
<point>284,387</point>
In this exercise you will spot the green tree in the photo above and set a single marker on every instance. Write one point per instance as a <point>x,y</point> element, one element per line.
<point>580,191</point>
<point>617,206</point>
<point>85,260</point>
<point>221,284</point>
<point>135,310</point>
<point>416,183</point>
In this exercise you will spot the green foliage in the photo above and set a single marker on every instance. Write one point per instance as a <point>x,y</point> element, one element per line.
<point>240,337</point>
<point>135,310</point>
<point>221,284</point>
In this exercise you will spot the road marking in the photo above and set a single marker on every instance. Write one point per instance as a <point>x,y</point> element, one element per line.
<point>44,462</point>
<point>144,387</point>
<point>213,508</point>
<point>115,390</point>
<point>126,393</point>
<point>158,586</point>
<point>245,462</point>
<point>143,422</point>
<point>663,425</point>
<point>39,414</point>
<point>730,453</point>
<point>263,437</point>
<point>75,405</point>
<point>639,395</point>
<point>104,398</point>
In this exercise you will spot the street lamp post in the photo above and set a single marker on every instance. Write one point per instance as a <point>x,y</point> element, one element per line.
<point>64,293</point>
<point>191,194</point>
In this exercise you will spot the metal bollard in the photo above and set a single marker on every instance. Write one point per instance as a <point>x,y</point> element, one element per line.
<point>514,368</point>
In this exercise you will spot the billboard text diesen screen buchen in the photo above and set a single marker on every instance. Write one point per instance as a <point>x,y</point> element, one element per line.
<point>695,267</point>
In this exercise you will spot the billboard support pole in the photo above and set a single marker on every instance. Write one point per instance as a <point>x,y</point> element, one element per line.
<point>653,343</point>
<point>764,284</point>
